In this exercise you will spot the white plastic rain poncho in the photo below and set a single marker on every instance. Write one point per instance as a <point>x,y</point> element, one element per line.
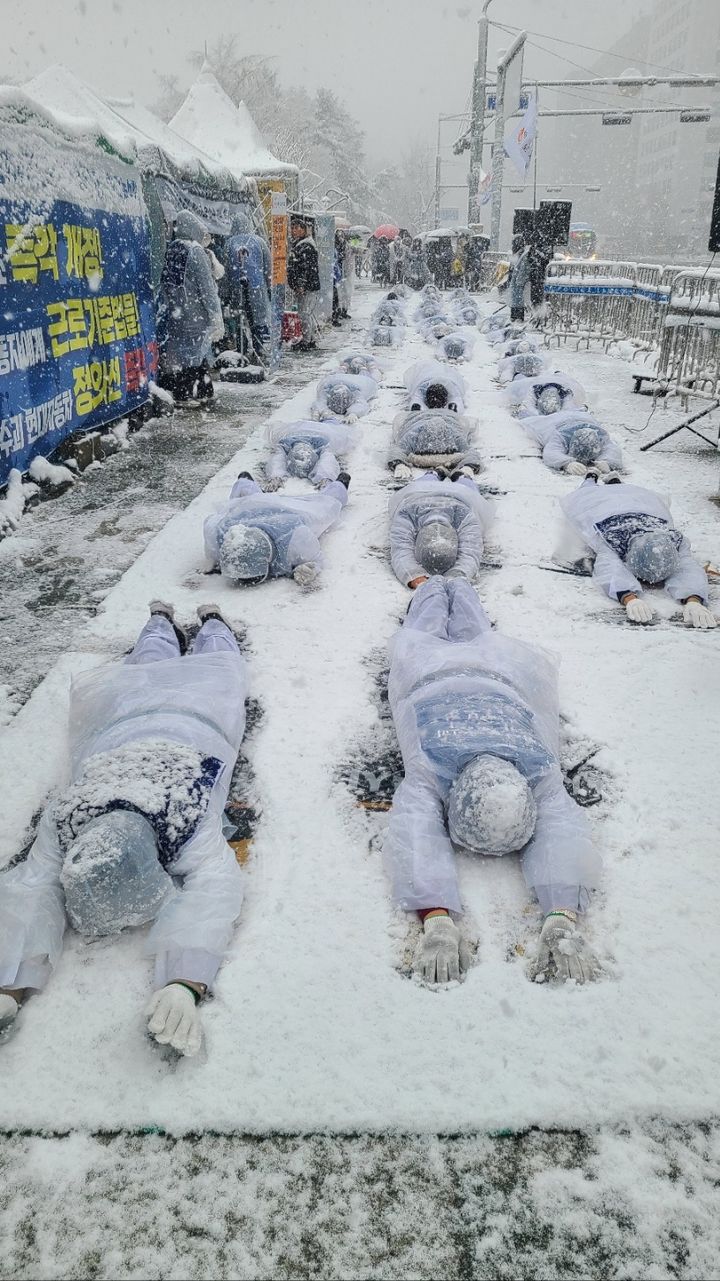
<point>458,690</point>
<point>371,365</point>
<point>329,441</point>
<point>140,714</point>
<point>423,374</point>
<point>293,525</point>
<point>455,346</point>
<point>496,323</point>
<point>553,433</point>
<point>592,506</point>
<point>363,390</point>
<point>434,437</point>
<point>190,298</point>
<point>521,395</point>
<point>428,500</point>
<point>507,366</point>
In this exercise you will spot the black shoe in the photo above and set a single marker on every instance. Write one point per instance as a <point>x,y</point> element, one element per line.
<point>160,608</point>
<point>344,479</point>
<point>245,475</point>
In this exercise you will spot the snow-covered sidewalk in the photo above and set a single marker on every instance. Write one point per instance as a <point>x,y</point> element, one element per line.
<point>312,1027</point>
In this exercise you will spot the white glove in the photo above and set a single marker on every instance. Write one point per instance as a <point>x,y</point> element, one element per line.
<point>602,466</point>
<point>351,418</point>
<point>272,483</point>
<point>638,611</point>
<point>442,953</point>
<point>403,472</point>
<point>574,468</point>
<point>218,333</point>
<point>174,1019</point>
<point>697,615</point>
<point>563,952</point>
<point>304,575</point>
<point>8,1010</point>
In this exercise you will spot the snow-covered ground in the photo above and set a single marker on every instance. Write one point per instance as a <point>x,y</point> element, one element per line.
<point>313,1029</point>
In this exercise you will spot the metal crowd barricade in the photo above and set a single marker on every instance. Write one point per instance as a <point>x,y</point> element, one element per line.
<point>650,301</point>
<point>688,365</point>
<point>589,301</point>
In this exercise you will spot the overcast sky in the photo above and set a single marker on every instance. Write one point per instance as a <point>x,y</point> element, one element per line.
<point>396,63</point>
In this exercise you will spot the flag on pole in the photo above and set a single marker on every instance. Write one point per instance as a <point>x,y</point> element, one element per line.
<point>520,137</point>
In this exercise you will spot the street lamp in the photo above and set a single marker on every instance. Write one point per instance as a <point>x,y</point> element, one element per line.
<point>477,118</point>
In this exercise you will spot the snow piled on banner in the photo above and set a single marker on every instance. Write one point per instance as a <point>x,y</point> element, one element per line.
<point>77,326</point>
<point>312,1026</point>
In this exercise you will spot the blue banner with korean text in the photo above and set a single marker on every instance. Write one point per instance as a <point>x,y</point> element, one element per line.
<point>77,326</point>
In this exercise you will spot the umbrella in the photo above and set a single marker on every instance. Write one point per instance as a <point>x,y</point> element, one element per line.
<point>440,233</point>
<point>388,230</point>
<point>360,231</point>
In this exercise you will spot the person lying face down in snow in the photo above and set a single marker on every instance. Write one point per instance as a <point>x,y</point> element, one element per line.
<point>345,396</point>
<point>436,328</point>
<point>477,719</point>
<point>518,347</point>
<point>524,364</point>
<point>384,336</point>
<point>361,362</point>
<point>390,312</point>
<point>631,533</point>
<point>257,536</point>
<point>433,438</point>
<point>546,394</point>
<point>573,441</point>
<point>455,347</point>
<point>135,836</point>
<point>499,320</point>
<point>437,526</point>
<point>307,450</point>
<point>431,385</point>
<point>466,312</point>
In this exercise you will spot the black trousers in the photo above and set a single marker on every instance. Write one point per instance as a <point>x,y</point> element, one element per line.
<point>194,383</point>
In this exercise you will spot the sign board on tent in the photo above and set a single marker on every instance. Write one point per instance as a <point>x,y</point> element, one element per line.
<point>77,326</point>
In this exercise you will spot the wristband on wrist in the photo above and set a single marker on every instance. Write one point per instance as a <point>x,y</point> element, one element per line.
<point>563,911</point>
<point>197,995</point>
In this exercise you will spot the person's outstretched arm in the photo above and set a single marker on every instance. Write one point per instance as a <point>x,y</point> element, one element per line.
<point>470,547</point>
<point>405,564</point>
<point>32,915</point>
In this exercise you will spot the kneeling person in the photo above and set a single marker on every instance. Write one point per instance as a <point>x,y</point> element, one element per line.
<point>433,438</point>
<point>345,396</point>
<point>573,442</point>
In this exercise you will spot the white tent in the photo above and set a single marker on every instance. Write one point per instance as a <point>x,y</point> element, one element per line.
<point>209,119</point>
<point>126,125</point>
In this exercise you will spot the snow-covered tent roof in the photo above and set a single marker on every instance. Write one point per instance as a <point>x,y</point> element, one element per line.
<point>209,119</point>
<point>128,127</point>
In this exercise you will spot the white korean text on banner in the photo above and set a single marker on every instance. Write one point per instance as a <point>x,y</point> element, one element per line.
<point>77,328</point>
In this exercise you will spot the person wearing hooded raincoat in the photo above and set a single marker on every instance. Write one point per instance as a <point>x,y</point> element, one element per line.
<point>458,691</point>
<point>293,526</point>
<point>247,262</point>
<point>191,310</point>
<point>361,362</point>
<point>307,449</point>
<point>361,387</point>
<point>154,738</point>
<point>431,500</point>
<point>431,373</point>
<point>433,438</point>
<point>554,433</point>
<point>547,394</point>
<point>609,518</point>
